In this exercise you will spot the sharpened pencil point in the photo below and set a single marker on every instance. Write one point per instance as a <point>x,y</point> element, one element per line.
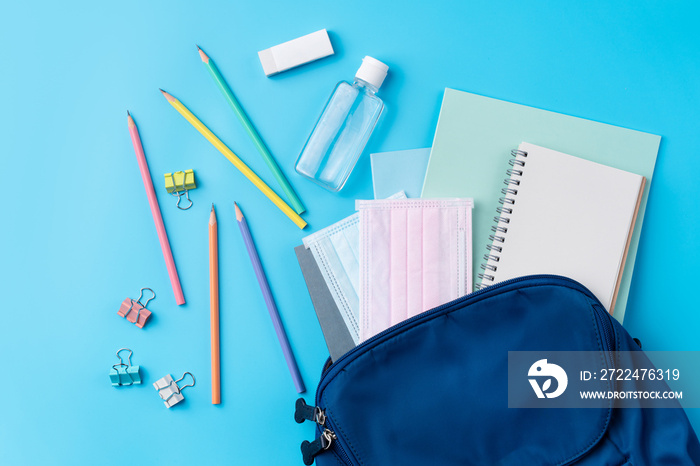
<point>239,214</point>
<point>203,55</point>
<point>168,96</point>
<point>127,112</point>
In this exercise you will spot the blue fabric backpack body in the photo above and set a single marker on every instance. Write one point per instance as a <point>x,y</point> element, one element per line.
<point>433,390</point>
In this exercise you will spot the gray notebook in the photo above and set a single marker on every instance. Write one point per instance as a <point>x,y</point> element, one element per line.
<point>335,331</point>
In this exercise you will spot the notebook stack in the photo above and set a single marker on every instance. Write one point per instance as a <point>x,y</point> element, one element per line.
<point>552,194</point>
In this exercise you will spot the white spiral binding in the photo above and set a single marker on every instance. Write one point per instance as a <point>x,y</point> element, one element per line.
<point>501,221</point>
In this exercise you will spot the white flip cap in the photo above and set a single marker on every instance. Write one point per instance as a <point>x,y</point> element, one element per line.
<point>372,71</point>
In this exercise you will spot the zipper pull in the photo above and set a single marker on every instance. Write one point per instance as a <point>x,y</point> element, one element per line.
<point>304,412</point>
<point>310,450</point>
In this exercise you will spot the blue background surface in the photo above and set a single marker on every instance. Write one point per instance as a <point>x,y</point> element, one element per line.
<point>77,235</point>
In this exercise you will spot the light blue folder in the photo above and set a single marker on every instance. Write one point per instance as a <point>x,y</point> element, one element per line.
<point>401,170</point>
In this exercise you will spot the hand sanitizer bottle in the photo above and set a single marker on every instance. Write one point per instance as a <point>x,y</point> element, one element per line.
<point>344,127</point>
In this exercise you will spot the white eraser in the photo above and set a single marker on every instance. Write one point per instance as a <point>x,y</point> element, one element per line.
<point>296,52</point>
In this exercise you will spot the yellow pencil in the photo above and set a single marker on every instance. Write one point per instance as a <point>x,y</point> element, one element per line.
<point>233,158</point>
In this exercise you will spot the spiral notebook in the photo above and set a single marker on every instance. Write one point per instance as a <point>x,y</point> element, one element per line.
<point>563,215</point>
<point>474,134</point>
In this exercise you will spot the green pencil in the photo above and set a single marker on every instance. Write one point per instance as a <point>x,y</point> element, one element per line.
<point>238,110</point>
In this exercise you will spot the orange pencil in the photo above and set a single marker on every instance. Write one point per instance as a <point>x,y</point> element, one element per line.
<point>214,300</point>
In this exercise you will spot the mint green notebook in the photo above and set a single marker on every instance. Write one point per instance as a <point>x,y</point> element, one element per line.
<point>472,145</point>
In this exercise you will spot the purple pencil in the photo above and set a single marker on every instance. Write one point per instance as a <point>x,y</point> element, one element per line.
<point>269,301</point>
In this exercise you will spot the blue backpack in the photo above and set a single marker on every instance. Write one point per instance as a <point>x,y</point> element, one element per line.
<point>433,390</point>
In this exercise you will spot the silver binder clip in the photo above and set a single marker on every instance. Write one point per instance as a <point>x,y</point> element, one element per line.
<point>169,391</point>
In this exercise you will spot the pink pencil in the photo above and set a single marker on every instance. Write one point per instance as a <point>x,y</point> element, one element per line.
<point>155,210</point>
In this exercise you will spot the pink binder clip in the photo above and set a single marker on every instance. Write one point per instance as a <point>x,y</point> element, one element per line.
<point>135,311</point>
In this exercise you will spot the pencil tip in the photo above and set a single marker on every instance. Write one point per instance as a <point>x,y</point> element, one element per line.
<point>212,215</point>
<point>128,114</point>
<point>168,96</point>
<point>239,214</point>
<point>203,55</point>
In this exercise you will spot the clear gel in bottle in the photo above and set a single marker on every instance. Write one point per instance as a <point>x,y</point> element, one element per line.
<point>342,131</point>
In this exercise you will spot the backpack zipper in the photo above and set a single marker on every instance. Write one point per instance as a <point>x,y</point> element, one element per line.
<point>338,442</point>
<point>323,442</point>
<point>310,450</point>
<point>607,333</point>
<point>304,412</point>
<point>606,327</point>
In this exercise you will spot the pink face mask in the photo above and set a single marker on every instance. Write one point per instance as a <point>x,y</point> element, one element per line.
<point>415,254</point>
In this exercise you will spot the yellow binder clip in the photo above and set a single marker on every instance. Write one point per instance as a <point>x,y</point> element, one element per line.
<point>179,184</point>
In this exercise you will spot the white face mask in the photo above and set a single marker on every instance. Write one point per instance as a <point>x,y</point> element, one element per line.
<point>336,250</point>
<point>415,254</point>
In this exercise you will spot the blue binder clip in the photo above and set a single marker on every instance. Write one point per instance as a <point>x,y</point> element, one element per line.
<point>125,374</point>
